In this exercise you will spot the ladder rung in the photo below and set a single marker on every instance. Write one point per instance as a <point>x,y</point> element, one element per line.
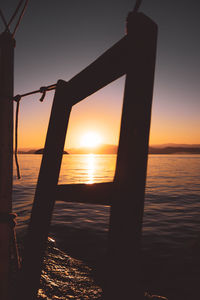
<point>97,193</point>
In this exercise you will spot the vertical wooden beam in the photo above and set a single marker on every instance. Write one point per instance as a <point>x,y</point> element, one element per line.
<point>123,281</point>
<point>7,44</point>
<point>44,196</point>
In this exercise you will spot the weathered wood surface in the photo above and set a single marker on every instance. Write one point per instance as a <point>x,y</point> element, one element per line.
<point>6,153</point>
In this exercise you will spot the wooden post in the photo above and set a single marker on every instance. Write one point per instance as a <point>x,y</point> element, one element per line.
<point>44,197</point>
<point>7,44</point>
<point>124,272</point>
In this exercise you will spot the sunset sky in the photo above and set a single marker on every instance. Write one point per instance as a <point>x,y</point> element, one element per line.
<point>57,39</point>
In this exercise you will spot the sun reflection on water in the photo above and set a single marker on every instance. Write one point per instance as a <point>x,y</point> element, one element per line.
<point>90,167</point>
<point>87,168</point>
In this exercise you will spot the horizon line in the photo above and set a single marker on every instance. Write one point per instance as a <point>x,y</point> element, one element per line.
<point>113,145</point>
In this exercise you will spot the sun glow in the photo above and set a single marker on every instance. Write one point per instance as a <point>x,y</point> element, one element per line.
<point>90,140</point>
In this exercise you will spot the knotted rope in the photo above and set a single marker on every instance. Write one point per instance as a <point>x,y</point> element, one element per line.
<point>16,136</point>
<point>9,218</point>
<point>17,98</point>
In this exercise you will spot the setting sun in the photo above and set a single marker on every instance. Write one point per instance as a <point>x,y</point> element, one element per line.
<point>90,140</point>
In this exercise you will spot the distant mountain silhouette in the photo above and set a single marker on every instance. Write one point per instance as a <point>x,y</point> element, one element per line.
<point>41,151</point>
<point>32,151</point>
<point>174,145</point>
<point>112,149</point>
<point>174,150</point>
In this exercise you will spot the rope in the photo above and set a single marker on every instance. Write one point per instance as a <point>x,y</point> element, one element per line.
<point>15,12</point>
<point>9,218</point>
<point>7,25</point>
<point>137,5</point>
<point>17,98</point>
<point>4,20</point>
<point>20,18</point>
<point>15,249</point>
<point>132,14</point>
<point>16,137</point>
<point>42,90</point>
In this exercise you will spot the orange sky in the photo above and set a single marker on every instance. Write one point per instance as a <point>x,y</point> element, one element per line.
<point>98,113</point>
<point>57,47</point>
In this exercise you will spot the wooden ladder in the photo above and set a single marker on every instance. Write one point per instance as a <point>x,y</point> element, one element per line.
<point>133,56</point>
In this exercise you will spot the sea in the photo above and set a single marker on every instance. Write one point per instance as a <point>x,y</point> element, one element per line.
<point>171,222</point>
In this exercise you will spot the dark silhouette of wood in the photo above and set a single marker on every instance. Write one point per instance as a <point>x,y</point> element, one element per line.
<point>124,278</point>
<point>6,153</point>
<point>44,196</point>
<point>96,193</point>
<point>130,177</point>
<point>134,55</point>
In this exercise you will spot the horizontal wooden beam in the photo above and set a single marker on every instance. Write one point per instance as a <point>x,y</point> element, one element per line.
<point>108,67</point>
<point>97,193</point>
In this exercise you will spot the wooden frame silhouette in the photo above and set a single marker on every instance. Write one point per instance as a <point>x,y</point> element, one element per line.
<point>7,44</point>
<point>133,56</point>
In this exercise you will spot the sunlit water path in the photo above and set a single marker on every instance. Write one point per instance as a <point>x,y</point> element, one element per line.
<point>172,209</point>
<point>171,226</point>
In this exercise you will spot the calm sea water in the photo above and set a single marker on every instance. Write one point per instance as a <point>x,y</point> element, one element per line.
<point>171,225</point>
<point>172,208</point>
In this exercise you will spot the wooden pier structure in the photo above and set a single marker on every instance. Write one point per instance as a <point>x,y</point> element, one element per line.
<point>133,56</point>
